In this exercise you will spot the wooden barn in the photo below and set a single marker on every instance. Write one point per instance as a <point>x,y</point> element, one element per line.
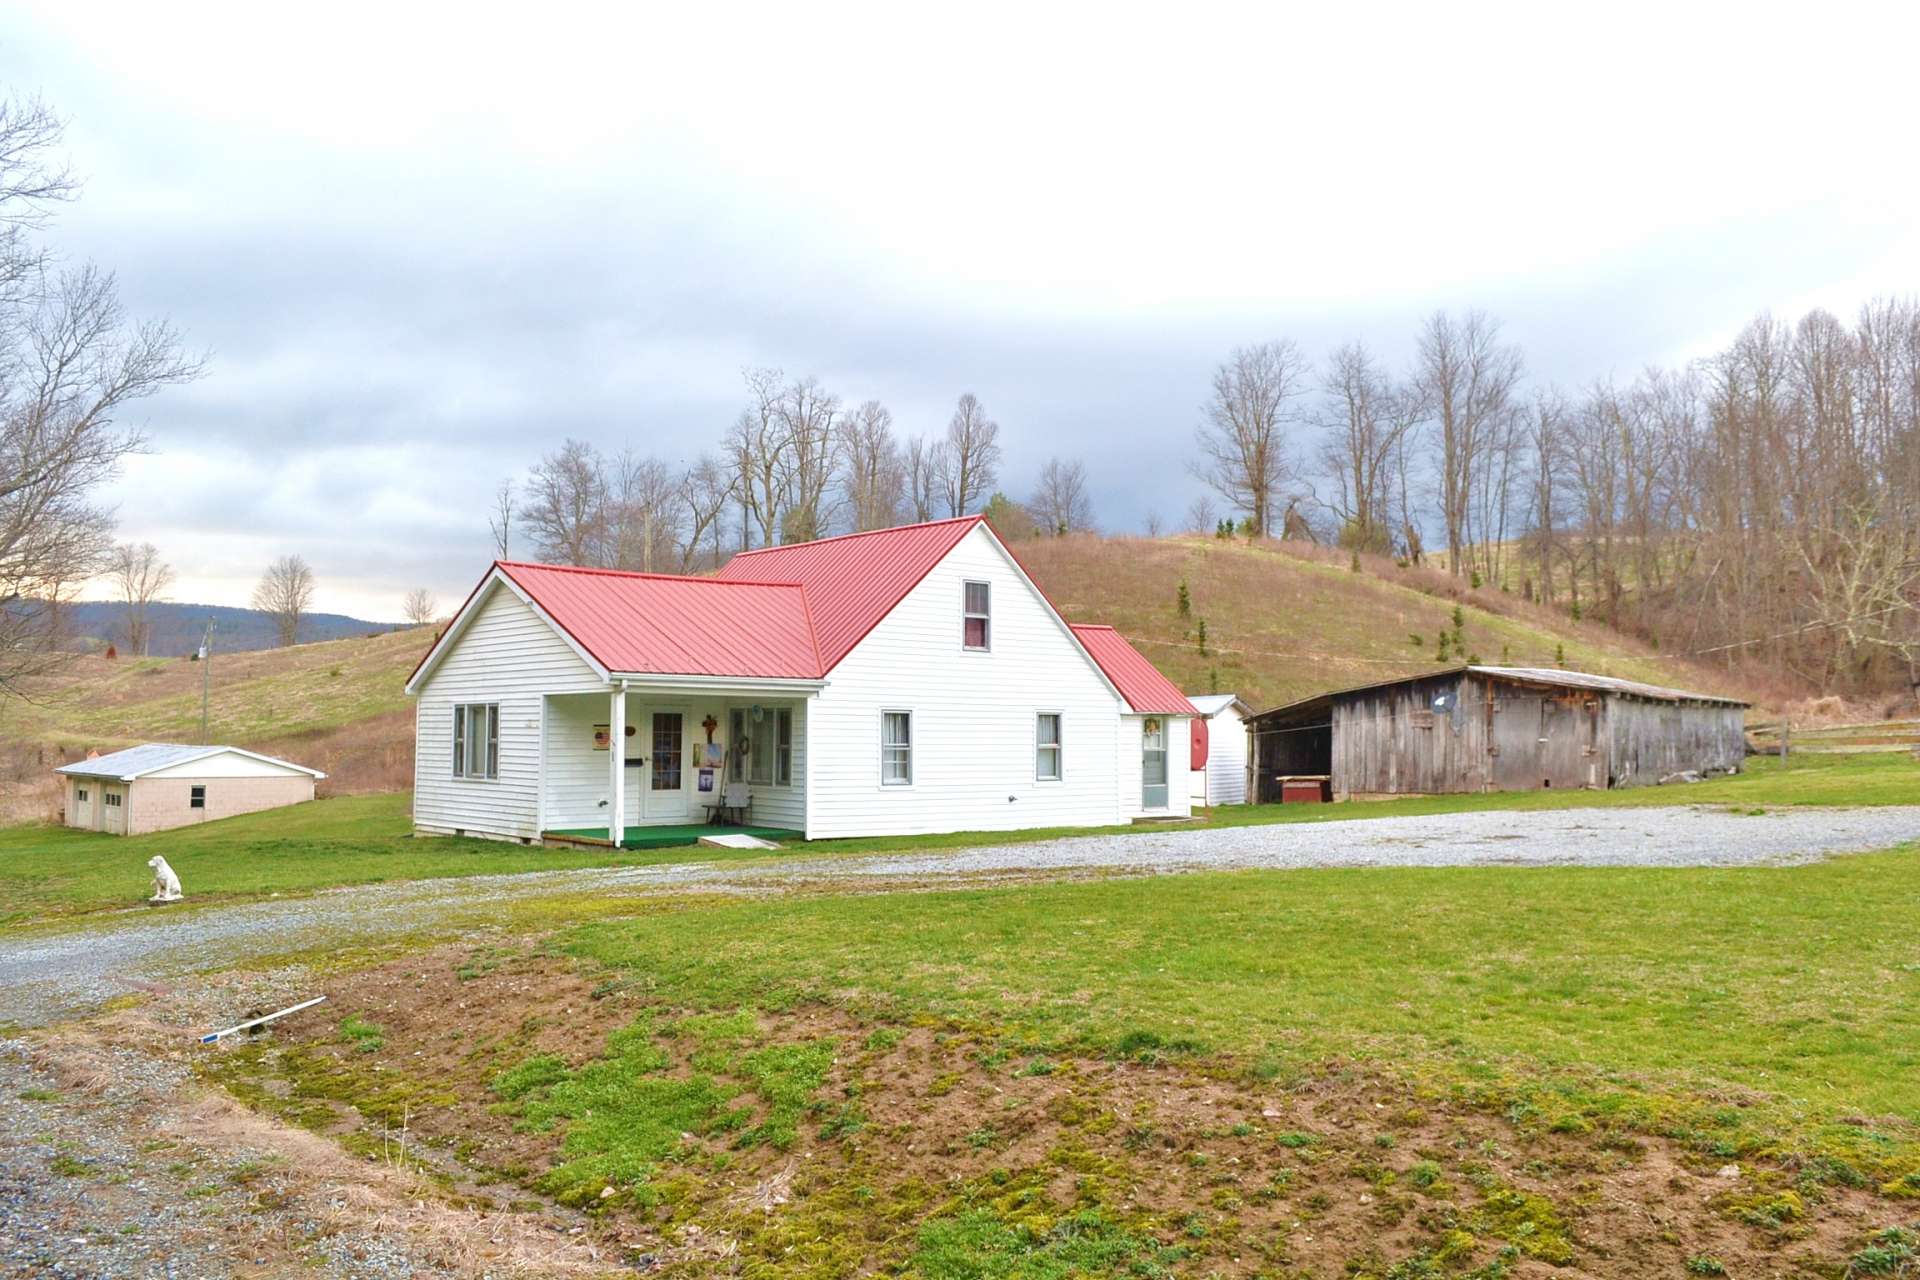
<point>1492,729</point>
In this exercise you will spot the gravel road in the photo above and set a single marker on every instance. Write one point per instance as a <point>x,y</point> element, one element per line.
<point>45,976</point>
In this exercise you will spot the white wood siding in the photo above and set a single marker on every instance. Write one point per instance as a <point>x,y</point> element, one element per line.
<point>508,655</point>
<point>227,764</point>
<point>578,777</point>
<point>1224,780</point>
<point>973,715</point>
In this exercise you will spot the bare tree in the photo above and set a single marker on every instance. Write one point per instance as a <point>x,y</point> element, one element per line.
<point>500,522</point>
<point>1154,525</point>
<point>1242,442</point>
<point>757,445</point>
<point>642,514</point>
<point>1202,515</point>
<point>809,419</point>
<point>970,458</point>
<point>285,593</point>
<point>875,475</point>
<point>1468,377</point>
<point>1364,418</point>
<point>925,461</point>
<point>1060,504</point>
<point>705,490</point>
<point>141,577</point>
<point>70,363</point>
<point>419,607</point>
<point>564,505</point>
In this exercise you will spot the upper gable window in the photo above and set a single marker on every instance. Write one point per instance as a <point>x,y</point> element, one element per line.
<point>976,627</point>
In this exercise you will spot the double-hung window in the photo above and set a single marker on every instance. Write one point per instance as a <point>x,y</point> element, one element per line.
<point>896,748</point>
<point>197,797</point>
<point>476,740</point>
<point>768,760</point>
<point>1047,749</point>
<point>976,621</point>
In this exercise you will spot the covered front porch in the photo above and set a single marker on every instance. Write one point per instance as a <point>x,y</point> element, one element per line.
<point>666,762</point>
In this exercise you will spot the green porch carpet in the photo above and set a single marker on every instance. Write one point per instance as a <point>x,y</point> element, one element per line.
<point>673,837</point>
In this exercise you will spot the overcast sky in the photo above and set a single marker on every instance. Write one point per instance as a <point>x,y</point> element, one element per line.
<point>424,248</point>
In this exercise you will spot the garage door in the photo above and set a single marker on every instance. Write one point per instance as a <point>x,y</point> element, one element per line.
<point>113,817</point>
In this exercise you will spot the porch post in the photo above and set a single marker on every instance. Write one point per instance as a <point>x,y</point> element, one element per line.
<point>617,764</point>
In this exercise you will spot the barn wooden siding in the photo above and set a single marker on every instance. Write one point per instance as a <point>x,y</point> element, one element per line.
<point>1390,740</point>
<point>1654,740</point>
<point>1494,733</point>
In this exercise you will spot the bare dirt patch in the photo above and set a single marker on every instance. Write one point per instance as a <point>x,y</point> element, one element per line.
<point>1198,1165</point>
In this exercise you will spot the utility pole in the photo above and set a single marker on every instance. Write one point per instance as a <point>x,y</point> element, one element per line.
<point>206,679</point>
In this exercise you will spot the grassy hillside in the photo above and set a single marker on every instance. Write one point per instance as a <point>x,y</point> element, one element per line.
<point>336,705</point>
<point>1282,621</point>
<point>1285,621</point>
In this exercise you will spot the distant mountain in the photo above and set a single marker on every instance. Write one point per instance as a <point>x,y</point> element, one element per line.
<point>177,628</point>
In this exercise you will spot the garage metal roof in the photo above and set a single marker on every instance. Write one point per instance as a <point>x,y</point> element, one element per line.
<point>134,761</point>
<point>1138,680</point>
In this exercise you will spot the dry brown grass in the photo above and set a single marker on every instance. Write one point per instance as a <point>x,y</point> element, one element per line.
<point>1285,620</point>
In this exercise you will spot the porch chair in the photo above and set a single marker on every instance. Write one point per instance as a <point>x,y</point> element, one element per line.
<point>736,804</point>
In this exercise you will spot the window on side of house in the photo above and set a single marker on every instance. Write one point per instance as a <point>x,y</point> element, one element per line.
<point>476,740</point>
<point>197,796</point>
<point>112,798</point>
<point>81,794</point>
<point>976,622</point>
<point>896,748</point>
<point>1047,747</point>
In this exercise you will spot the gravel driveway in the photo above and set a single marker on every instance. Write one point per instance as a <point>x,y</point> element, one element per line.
<point>48,976</point>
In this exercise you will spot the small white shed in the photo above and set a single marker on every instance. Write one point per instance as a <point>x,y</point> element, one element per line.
<point>1224,779</point>
<point>169,784</point>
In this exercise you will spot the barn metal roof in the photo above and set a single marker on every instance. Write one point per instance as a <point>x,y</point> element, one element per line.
<point>1138,680</point>
<point>1530,675</point>
<point>853,581</point>
<point>133,762</point>
<point>659,624</point>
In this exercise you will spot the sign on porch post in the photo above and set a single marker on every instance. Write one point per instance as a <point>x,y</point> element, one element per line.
<point>617,765</point>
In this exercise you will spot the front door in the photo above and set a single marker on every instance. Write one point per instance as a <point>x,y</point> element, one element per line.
<point>1153,763</point>
<point>83,805</point>
<point>666,768</point>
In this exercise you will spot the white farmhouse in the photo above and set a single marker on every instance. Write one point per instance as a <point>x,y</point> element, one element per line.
<point>902,681</point>
<point>1220,749</point>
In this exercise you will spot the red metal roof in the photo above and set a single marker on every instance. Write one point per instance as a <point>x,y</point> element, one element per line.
<point>779,613</point>
<point>664,625</point>
<point>854,581</point>
<point>1138,680</point>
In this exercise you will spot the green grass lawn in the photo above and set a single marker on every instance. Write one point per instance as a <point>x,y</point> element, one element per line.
<point>1800,982</point>
<point>48,871</point>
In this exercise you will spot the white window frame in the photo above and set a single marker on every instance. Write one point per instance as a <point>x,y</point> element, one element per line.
<point>907,746</point>
<point>741,717</point>
<point>113,799</point>
<point>968,615</point>
<point>199,801</point>
<point>463,746</point>
<point>80,794</point>
<point>1058,747</point>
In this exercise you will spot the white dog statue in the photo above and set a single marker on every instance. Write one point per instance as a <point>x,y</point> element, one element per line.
<point>166,885</point>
